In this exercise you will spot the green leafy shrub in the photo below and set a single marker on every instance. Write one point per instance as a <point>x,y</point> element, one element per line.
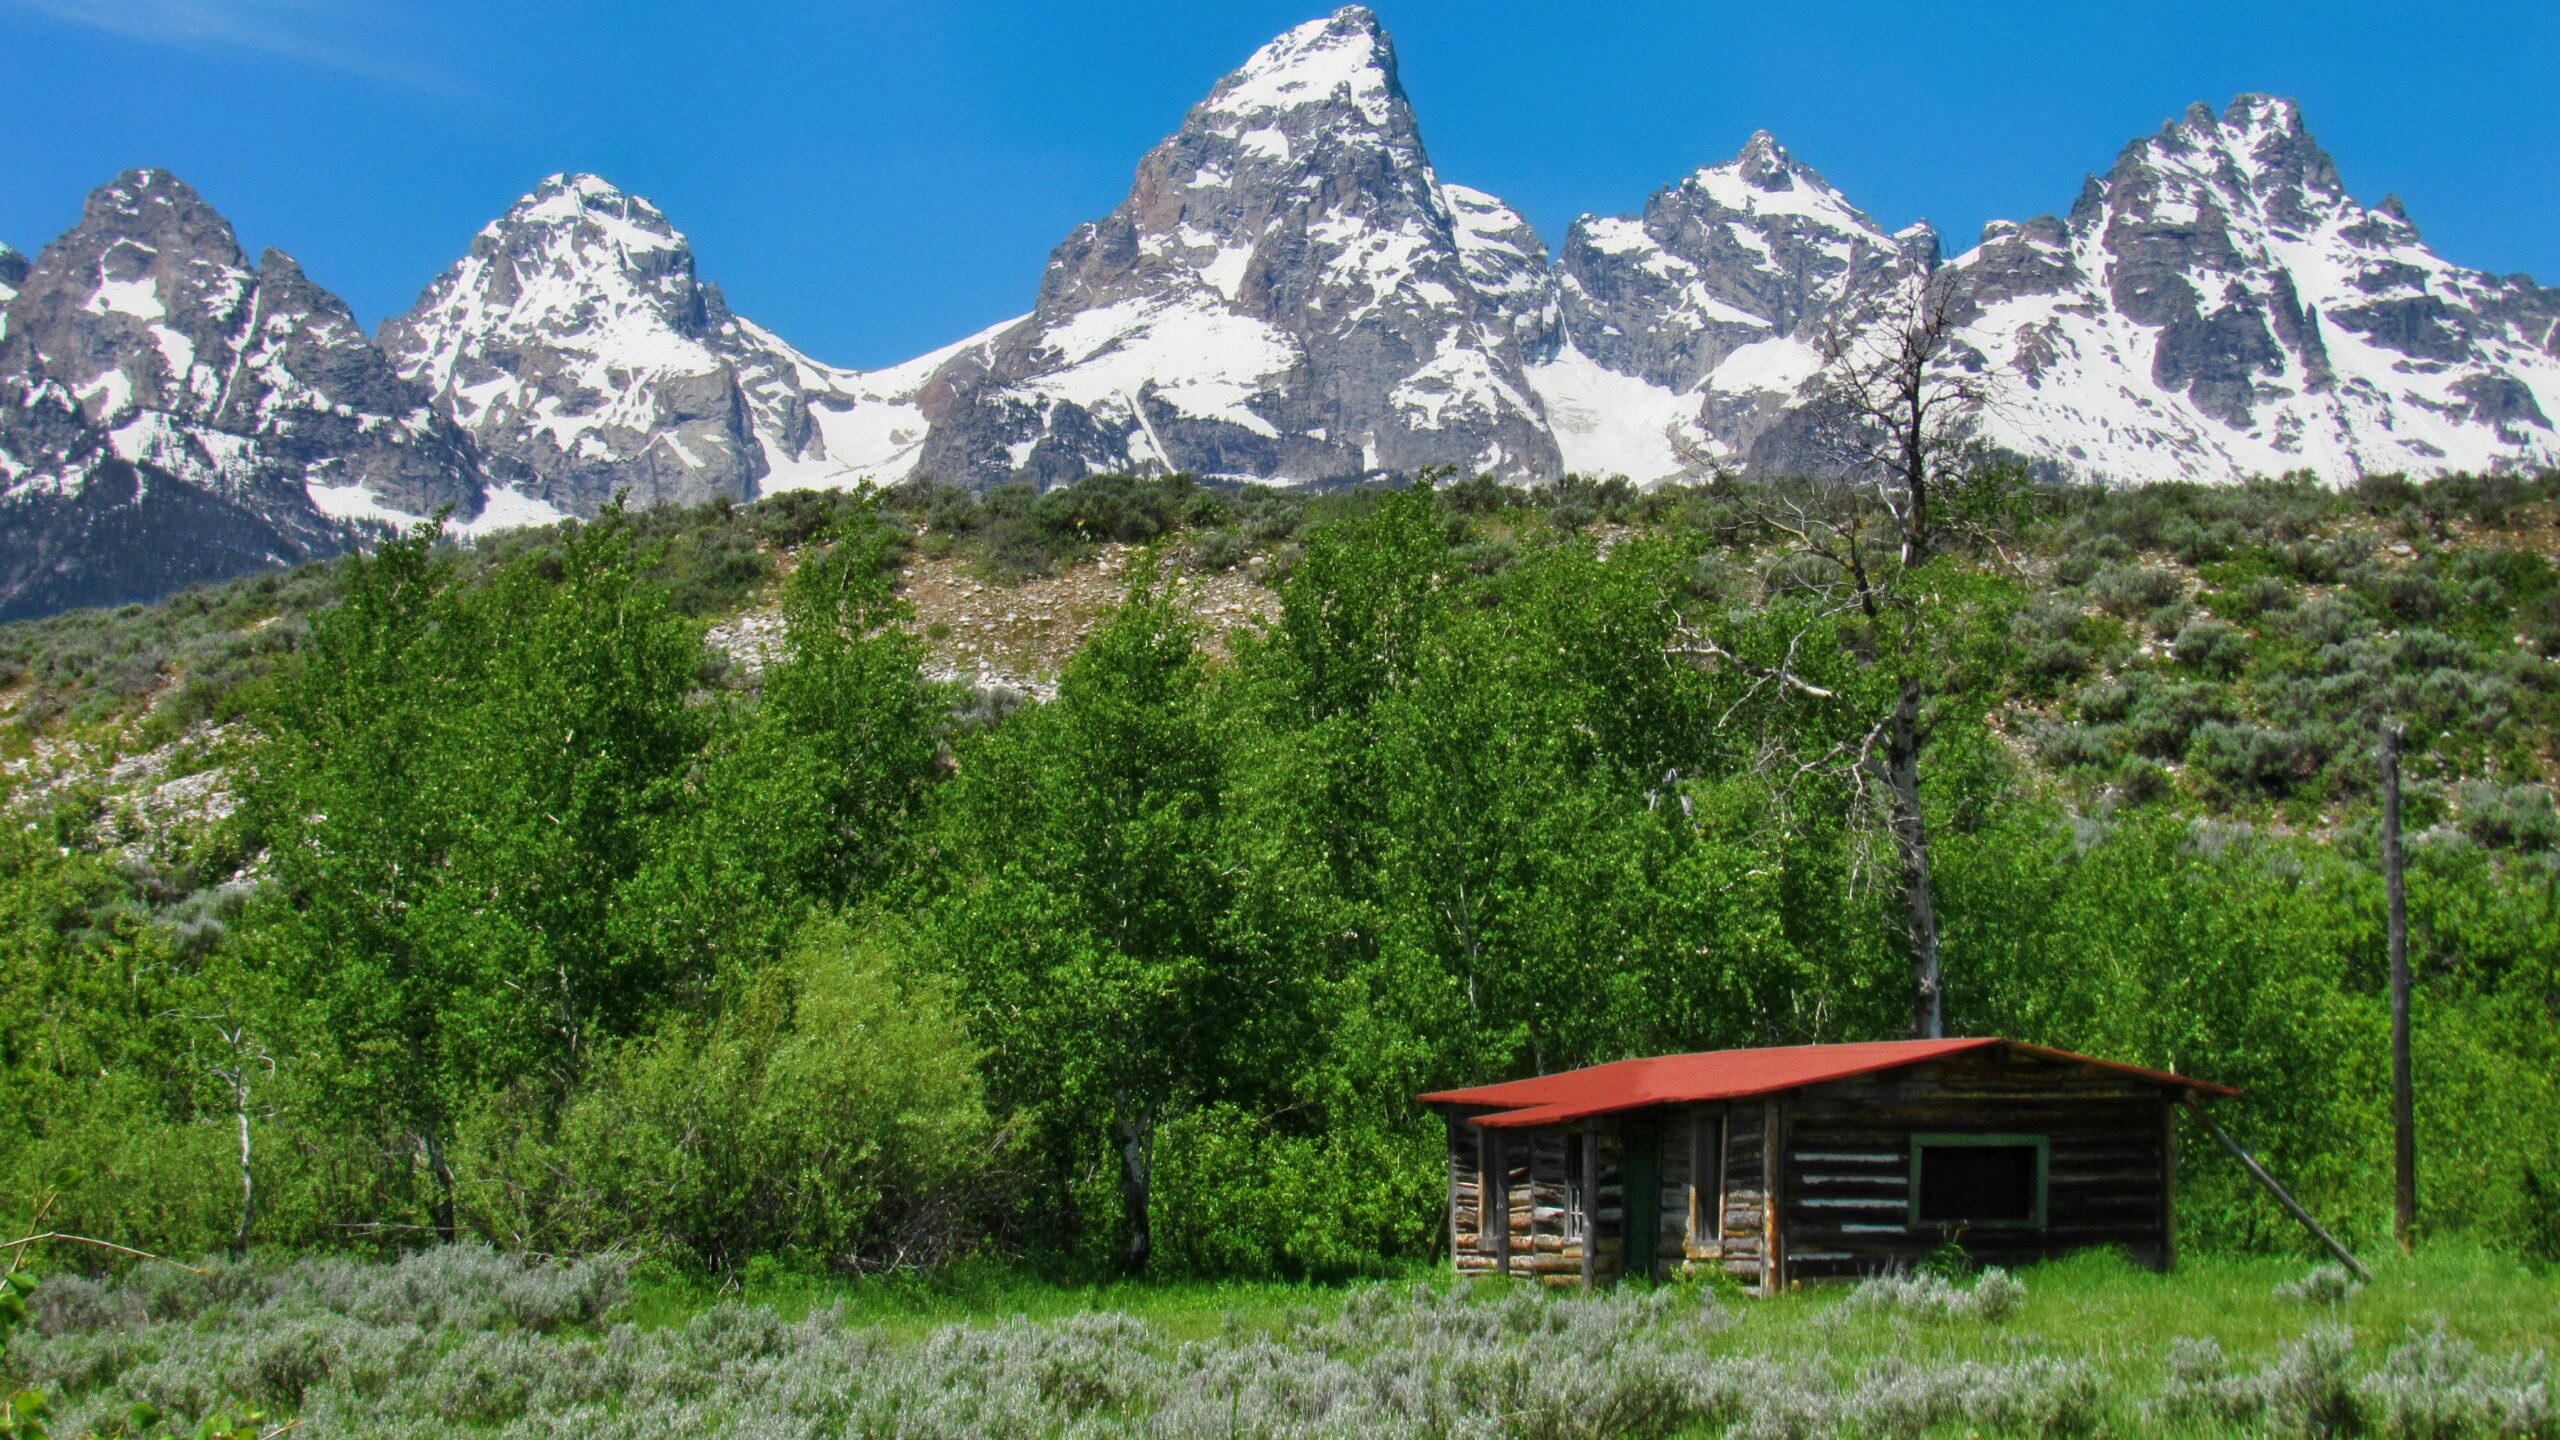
<point>2067,746</point>
<point>833,1111</point>
<point>2511,817</point>
<point>2050,644</point>
<point>2253,599</point>
<point>2130,590</point>
<point>1221,549</point>
<point>2165,716</point>
<point>2212,647</point>
<point>2251,759</point>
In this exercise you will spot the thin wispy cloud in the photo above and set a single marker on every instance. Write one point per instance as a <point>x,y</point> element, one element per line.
<point>323,33</point>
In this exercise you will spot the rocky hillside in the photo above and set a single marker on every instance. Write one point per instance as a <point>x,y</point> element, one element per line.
<point>2223,647</point>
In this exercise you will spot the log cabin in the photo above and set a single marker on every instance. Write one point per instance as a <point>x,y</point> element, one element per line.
<point>1813,1162</point>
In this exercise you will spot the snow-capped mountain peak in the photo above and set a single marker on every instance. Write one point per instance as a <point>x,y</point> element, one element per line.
<point>1685,330</point>
<point>151,320</point>
<point>1342,60</point>
<point>1762,175</point>
<point>585,356</point>
<point>1288,292</point>
<point>627,222</point>
<point>2218,305</point>
<point>192,414</point>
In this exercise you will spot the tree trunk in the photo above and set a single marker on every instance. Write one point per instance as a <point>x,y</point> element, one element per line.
<point>440,1209</point>
<point>1911,848</point>
<point>1136,1124</point>
<point>248,1184</point>
<point>2404,1098</point>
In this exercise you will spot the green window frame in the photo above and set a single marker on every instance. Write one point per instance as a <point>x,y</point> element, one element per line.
<point>2042,1145</point>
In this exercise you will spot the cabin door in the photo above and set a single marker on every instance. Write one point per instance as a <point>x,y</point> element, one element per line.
<point>1641,1174</point>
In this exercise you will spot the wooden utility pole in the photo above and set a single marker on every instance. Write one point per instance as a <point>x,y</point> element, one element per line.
<point>2404,1095</point>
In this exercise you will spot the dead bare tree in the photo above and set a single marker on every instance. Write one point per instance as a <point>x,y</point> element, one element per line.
<point>1890,439</point>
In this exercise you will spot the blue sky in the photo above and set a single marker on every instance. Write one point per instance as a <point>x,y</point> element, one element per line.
<point>873,180</point>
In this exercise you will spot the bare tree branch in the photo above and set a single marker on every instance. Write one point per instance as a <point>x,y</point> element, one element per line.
<point>1893,419</point>
<point>71,1239</point>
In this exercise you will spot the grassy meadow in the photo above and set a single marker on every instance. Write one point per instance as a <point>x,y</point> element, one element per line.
<point>463,1340</point>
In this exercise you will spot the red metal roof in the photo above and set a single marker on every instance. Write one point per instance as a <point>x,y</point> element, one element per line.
<point>1734,1075</point>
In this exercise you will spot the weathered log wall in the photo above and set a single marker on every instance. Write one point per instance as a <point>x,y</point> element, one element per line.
<point>1845,1184</point>
<point>1746,1242</point>
<point>1539,1220</point>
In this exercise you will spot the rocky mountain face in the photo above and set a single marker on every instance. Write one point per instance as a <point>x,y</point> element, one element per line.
<point>13,273</point>
<point>1683,332</point>
<point>2216,306</point>
<point>586,357</point>
<point>169,412</point>
<point>1288,292</point>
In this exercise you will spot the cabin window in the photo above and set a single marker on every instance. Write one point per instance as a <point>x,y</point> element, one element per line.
<point>1492,1187</point>
<point>1978,1180</point>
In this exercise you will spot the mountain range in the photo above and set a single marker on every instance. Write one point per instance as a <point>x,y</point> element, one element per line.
<point>1289,293</point>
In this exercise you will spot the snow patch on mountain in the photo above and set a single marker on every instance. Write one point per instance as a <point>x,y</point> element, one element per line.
<point>13,272</point>
<point>870,424</point>
<point>1607,423</point>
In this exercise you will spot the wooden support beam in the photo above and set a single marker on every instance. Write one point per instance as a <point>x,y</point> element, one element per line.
<point>1724,1143</point>
<point>1772,1167</point>
<point>1590,1200</point>
<point>2292,1206</point>
<point>1449,1212</point>
<point>2168,1187</point>
<point>1499,1181</point>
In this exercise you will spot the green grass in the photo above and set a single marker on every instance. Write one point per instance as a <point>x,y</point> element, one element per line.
<point>2096,1307</point>
<point>912,1304</point>
<point>2120,1318</point>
